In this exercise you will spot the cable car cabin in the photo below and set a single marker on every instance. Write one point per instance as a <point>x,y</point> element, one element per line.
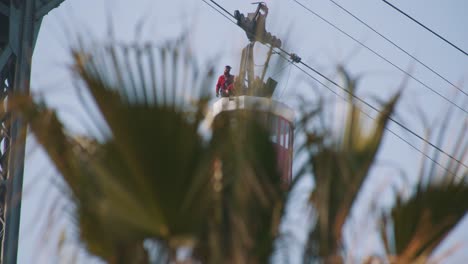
<point>278,118</point>
<point>252,93</point>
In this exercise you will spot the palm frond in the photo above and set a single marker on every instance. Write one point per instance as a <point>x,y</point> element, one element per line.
<point>248,205</point>
<point>416,226</point>
<point>152,176</point>
<point>136,183</point>
<point>339,167</point>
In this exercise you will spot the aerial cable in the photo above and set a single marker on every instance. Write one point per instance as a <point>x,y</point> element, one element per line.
<point>281,91</point>
<point>383,58</point>
<point>220,11</point>
<point>218,5</point>
<point>425,27</point>
<point>386,128</point>
<point>282,68</point>
<point>393,132</point>
<point>295,58</point>
<point>390,117</point>
<point>398,47</point>
<point>287,81</point>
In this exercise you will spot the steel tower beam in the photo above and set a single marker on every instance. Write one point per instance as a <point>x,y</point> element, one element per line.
<point>4,9</point>
<point>20,21</point>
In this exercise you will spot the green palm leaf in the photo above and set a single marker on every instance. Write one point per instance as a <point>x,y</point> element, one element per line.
<point>152,176</point>
<point>140,181</point>
<point>249,207</point>
<point>416,226</point>
<point>340,166</point>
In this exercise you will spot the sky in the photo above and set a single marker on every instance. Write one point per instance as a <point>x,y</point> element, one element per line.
<point>215,39</point>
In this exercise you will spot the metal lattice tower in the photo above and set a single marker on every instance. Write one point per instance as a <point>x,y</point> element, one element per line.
<point>20,21</point>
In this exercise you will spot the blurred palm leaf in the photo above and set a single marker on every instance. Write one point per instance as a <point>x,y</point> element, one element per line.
<point>419,224</point>
<point>148,179</point>
<point>152,175</point>
<point>249,203</point>
<point>339,168</point>
<point>155,177</point>
<point>416,226</point>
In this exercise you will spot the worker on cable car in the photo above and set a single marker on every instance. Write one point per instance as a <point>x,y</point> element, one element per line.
<point>225,85</point>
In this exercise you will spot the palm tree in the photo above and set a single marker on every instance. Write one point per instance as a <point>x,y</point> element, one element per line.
<point>153,175</point>
<point>415,226</point>
<point>340,167</point>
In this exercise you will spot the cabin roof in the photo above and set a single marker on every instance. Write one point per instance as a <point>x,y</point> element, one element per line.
<point>254,103</point>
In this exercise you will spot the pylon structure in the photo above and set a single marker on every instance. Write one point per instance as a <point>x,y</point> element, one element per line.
<point>20,21</point>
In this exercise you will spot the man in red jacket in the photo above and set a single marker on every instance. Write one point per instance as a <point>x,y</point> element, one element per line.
<point>225,83</point>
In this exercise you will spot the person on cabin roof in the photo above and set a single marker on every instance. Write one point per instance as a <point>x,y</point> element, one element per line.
<point>225,85</point>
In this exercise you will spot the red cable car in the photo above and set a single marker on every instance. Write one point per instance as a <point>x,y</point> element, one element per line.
<point>278,118</point>
<point>252,94</point>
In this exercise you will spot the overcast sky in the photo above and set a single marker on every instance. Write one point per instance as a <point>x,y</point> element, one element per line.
<point>213,36</point>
